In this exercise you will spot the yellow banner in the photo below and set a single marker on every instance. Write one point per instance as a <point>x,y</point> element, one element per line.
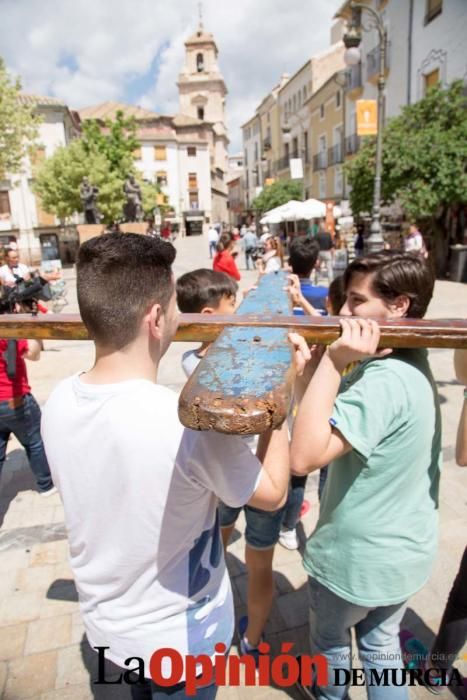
<point>367,117</point>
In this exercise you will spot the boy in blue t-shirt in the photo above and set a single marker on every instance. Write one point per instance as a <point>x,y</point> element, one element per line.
<point>379,429</point>
<point>303,255</point>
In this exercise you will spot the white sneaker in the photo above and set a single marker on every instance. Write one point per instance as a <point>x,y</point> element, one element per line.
<point>288,539</point>
<point>49,492</point>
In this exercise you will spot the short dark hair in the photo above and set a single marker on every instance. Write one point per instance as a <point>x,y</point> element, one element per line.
<point>397,274</point>
<point>119,276</point>
<point>203,287</point>
<point>303,254</point>
<point>336,294</point>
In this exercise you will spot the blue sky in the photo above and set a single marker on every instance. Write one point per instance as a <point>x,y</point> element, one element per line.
<point>91,51</point>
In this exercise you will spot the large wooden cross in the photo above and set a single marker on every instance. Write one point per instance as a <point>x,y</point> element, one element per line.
<point>243,385</point>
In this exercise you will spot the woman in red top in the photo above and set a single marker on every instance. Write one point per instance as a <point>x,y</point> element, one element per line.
<point>224,260</point>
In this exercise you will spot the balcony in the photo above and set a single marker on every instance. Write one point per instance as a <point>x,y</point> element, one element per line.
<point>354,78</point>
<point>335,154</point>
<point>320,161</point>
<point>282,163</point>
<point>352,144</point>
<point>267,144</point>
<point>372,62</point>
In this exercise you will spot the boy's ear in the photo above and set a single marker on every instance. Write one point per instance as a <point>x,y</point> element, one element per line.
<point>154,320</point>
<point>207,310</point>
<point>400,306</point>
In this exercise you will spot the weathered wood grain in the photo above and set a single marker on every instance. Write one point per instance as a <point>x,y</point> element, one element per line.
<point>409,333</point>
<point>243,385</point>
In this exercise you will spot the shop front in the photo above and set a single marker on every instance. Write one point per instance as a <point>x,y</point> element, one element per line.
<point>194,220</point>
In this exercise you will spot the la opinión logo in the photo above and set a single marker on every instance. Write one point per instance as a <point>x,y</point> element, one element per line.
<point>283,670</point>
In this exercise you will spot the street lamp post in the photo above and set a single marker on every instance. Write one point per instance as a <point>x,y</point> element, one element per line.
<point>352,40</point>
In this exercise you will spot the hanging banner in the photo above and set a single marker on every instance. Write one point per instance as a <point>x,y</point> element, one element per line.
<point>367,118</point>
<point>296,169</point>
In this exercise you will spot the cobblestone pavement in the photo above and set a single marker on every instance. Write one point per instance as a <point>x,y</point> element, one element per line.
<point>43,652</point>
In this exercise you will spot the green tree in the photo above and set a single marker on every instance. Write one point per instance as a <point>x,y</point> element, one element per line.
<point>280,192</point>
<point>59,178</point>
<point>18,124</point>
<point>424,160</point>
<point>116,141</point>
<point>105,156</point>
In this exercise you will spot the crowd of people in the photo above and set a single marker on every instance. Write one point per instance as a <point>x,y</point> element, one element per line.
<point>150,507</point>
<point>266,252</point>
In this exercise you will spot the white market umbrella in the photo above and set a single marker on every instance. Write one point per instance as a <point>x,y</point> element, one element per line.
<point>286,212</point>
<point>313,209</point>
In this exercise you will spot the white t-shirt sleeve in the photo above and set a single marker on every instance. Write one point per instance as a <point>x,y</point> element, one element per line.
<point>190,361</point>
<point>222,464</point>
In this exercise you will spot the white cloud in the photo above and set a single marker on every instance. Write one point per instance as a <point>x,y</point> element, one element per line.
<point>112,42</point>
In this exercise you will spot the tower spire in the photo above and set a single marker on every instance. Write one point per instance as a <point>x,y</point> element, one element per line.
<point>200,12</point>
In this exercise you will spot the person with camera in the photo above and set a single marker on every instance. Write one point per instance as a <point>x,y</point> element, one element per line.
<point>19,411</point>
<point>13,269</point>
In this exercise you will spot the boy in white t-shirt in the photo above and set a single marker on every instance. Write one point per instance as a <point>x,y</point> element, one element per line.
<point>209,292</point>
<point>204,291</point>
<point>140,492</point>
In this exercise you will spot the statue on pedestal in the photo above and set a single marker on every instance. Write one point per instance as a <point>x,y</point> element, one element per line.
<point>88,194</point>
<point>133,209</point>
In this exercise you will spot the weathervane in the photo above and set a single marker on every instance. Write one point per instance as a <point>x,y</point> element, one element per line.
<point>200,10</point>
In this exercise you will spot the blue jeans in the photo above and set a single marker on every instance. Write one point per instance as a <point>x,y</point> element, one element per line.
<point>212,249</point>
<point>151,691</point>
<point>377,633</point>
<point>294,502</point>
<point>25,423</point>
<point>262,526</point>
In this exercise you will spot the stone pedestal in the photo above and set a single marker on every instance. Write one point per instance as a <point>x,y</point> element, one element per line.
<point>87,231</point>
<point>134,227</point>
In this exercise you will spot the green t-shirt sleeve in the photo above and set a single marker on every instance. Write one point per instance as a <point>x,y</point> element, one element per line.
<point>365,411</point>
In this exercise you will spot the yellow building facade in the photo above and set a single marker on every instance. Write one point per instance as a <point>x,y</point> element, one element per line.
<point>326,114</point>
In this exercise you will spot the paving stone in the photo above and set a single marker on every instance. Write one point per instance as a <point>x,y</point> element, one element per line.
<point>72,692</point>
<point>48,633</point>
<point>31,676</point>
<point>77,628</point>
<point>12,641</point>
<point>71,669</point>
<point>20,607</point>
<point>49,553</point>
<point>7,581</point>
<point>35,579</point>
<point>52,608</point>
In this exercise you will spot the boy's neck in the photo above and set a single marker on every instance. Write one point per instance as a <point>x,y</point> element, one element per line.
<point>202,350</point>
<point>114,366</point>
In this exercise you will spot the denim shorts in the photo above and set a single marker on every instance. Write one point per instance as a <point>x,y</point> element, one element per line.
<point>262,527</point>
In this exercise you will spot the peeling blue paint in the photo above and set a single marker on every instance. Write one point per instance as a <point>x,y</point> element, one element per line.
<point>250,361</point>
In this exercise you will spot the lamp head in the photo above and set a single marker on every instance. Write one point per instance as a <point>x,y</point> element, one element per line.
<point>352,56</point>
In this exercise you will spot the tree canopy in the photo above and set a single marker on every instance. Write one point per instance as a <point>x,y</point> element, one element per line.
<point>104,155</point>
<point>280,192</point>
<point>424,157</point>
<point>18,124</point>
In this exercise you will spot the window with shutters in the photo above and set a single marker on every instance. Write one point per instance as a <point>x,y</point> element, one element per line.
<point>5,209</point>
<point>161,177</point>
<point>433,9</point>
<point>160,153</point>
<point>431,79</point>
<point>191,151</point>
<point>192,181</point>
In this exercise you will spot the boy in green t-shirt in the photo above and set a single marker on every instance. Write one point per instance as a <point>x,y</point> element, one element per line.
<point>379,428</point>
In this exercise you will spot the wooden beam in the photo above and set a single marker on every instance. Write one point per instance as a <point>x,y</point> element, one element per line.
<point>244,383</point>
<point>408,333</point>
